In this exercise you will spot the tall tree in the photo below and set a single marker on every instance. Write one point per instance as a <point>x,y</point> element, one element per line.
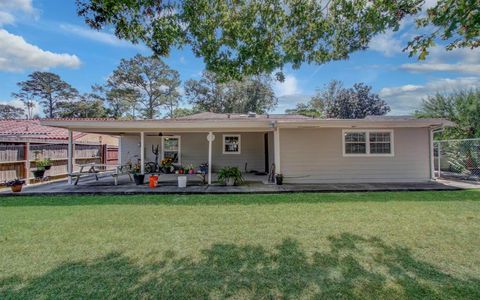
<point>122,101</point>
<point>335,101</point>
<point>48,89</point>
<point>254,94</point>
<point>461,107</point>
<point>250,37</point>
<point>11,112</point>
<point>154,81</point>
<point>88,105</point>
<point>28,101</point>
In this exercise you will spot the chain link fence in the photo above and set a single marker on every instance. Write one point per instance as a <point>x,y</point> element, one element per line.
<point>457,159</point>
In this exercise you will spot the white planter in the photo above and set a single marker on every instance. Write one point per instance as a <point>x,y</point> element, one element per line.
<point>229,182</point>
<point>182,181</point>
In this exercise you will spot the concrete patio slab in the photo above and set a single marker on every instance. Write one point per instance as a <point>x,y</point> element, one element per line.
<point>125,187</point>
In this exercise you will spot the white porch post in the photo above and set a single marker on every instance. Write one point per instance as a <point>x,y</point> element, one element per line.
<point>119,151</point>
<point>432,164</point>
<point>142,152</point>
<point>276,149</point>
<point>70,155</point>
<point>439,158</point>
<point>210,138</point>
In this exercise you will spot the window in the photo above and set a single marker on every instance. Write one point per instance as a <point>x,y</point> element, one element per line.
<point>368,142</point>
<point>231,144</point>
<point>171,148</point>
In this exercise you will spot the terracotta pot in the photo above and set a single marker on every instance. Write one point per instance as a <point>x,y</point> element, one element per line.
<point>16,188</point>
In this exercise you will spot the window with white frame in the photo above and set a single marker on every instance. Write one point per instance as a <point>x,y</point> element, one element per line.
<point>171,148</point>
<point>368,143</point>
<point>231,144</point>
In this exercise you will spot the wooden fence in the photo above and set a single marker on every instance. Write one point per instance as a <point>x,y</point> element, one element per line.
<point>14,162</point>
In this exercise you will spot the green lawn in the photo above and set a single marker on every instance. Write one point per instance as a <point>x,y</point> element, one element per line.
<point>356,245</point>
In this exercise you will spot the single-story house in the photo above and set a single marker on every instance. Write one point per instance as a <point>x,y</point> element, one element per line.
<point>303,149</point>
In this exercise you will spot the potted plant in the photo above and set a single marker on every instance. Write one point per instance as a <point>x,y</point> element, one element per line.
<point>15,185</point>
<point>279,179</point>
<point>230,176</point>
<point>191,169</point>
<point>47,163</point>
<point>204,168</point>
<point>167,165</point>
<point>137,176</point>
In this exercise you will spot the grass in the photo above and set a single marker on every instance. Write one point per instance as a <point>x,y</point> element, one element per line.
<point>423,245</point>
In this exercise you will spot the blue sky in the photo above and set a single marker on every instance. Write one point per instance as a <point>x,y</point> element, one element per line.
<point>48,35</point>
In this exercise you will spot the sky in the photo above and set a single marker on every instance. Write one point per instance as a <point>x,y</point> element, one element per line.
<point>47,35</point>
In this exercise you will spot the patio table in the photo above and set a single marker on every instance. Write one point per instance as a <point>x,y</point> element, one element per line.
<point>97,169</point>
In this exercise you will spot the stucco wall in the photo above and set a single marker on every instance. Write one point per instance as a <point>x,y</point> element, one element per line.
<point>194,150</point>
<point>316,155</point>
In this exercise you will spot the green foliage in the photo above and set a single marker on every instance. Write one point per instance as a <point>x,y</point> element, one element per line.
<point>460,107</point>
<point>244,37</point>
<point>254,94</point>
<point>48,89</point>
<point>88,106</point>
<point>147,82</point>
<point>454,21</point>
<point>40,164</point>
<point>183,112</point>
<point>226,173</point>
<point>11,112</point>
<point>335,101</point>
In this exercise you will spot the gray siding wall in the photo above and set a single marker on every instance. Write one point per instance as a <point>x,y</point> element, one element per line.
<point>194,150</point>
<point>316,155</point>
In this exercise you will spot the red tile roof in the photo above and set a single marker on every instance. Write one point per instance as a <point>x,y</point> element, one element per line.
<point>33,129</point>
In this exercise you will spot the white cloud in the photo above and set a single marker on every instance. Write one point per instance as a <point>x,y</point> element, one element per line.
<point>387,43</point>
<point>98,36</point>
<point>23,5</point>
<point>6,18</point>
<point>406,99</point>
<point>462,60</point>
<point>17,55</point>
<point>8,7</point>
<point>461,68</point>
<point>288,87</point>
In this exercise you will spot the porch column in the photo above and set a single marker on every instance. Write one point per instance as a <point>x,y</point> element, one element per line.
<point>432,164</point>
<point>142,152</point>
<point>119,151</point>
<point>210,138</point>
<point>276,149</point>
<point>70,155</point>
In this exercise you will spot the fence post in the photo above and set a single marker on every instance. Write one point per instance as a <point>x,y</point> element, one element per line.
<point>27,163</point>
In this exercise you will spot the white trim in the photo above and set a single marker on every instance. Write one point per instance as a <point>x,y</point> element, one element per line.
<point>367,141</point>
<point>179,156</point>
<point>239,143</point>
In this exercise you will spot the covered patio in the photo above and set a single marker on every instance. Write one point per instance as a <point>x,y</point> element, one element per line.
<point>250,144</point>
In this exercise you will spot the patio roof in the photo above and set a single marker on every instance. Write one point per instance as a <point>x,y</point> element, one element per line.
<point>204,122</point>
